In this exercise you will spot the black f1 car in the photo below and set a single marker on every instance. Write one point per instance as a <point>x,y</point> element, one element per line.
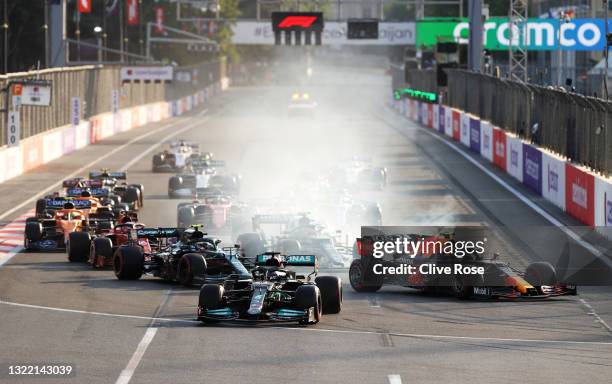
<point>275,293</point>
<point>130,194</point>
<point>469,276</point>
<point>184,256</point>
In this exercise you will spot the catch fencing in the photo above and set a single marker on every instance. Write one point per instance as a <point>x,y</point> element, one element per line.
<point>572,125</point>
<point>94,86</point>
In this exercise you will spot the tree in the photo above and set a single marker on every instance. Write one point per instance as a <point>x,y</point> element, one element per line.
<point>229,12</point>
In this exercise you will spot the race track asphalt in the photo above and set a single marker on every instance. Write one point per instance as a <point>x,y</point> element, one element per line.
<point>52,311</point>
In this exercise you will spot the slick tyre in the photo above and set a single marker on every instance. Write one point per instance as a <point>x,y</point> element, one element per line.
<point>128,263</point>
<point>358,280</point>
<point>190,266</point>
<point>331,293</point>
<point>132,196</point>
<point>78,246</point>
<point>309,296</point>
<point>185,217</point>
<point>211,296</point>
<point>41,206</point>
<point>33,231</point>
<point>101,247</point>
<point>541,273</point>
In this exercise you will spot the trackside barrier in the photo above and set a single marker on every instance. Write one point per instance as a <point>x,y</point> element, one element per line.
<point>40,149</point>
<point>582,194</point>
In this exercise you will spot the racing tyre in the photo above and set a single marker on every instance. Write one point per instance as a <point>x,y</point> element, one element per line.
<point>174,183</point>
<point>185,217</point>
<point>463,286</point>
<point>331,293</point>
<point>33,231</point>
<point>101,247</point>
<point>309,296</point>
<point>211,296</point>
<point>78,246</point>
<point>541,273</point>
<point>132,196</point>
<point>140,189</point>
<point>41,206</point>
<point>190,265</point>
<point>158,161</point>
<point>128,263</point>
<point>357,278</point>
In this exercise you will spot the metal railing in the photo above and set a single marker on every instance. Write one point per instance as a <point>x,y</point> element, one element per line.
<point>572,125</point>
<point>94,85</point>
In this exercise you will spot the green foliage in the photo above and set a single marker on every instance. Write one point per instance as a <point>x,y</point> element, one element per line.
<point>229,11</point>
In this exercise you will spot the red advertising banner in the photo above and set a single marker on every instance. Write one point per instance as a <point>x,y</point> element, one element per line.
<point>580,194</point>
<point>499,148</point>
<point>430,115</point>
<point>456,125</point>
<point>159,19</point>
<point>132,12</point>
<point>85,6</point>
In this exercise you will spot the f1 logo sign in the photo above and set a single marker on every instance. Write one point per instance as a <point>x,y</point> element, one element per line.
<point>297,21</point>
<point>84,6</point>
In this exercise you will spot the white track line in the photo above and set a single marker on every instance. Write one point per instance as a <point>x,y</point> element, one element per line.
<point>394,379</point>
<point>595,315</point>
<point>128,371</point>
<point>314,329</point>
<point>93,163</point>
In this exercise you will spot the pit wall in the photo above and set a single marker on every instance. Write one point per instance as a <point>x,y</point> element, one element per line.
<point>40,149</point>
<point>584,195</point>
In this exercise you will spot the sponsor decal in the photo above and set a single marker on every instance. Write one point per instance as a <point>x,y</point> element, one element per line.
<point>608,210</point>
<point>579,195</point>
<point>482,291</point>
<point>513,157</point>
<point>532,169</point>
<point>553,180</point>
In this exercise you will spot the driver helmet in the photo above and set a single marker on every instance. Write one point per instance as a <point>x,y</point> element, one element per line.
<point>274,261</point>
<point>85,194</point>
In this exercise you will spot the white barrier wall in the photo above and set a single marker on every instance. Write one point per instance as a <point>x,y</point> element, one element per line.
<point>465,129</point>
<point>486,140</point>
<point>553,179</point>
<point>514,156</point>
<point>37,150</point>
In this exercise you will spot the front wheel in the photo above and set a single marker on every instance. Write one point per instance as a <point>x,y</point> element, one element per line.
<point>78,246</point>
<point>306,297</point>
<point>190,266</point>
<point>331,293</point>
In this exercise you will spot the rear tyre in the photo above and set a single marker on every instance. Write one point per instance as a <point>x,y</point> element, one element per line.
<point>41,206</point>
<point>78,246</point>
<point>101,247</point>
<point>309,296</point>
<point>358,281</point>
<point>33,230</point>
<point>190,265</point>
<point>174,183</point>
<point>128,263</point>
<point>331,293</point>
<point>185,217</point>
<point>541,273</point>
<point>132,196</point>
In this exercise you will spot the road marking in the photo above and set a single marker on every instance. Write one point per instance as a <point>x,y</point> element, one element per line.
<point>128,371</point>
<point>595,315</point>
<point>91,164</point>
<point>10,243</point>
<point>302,329</point>
<point>395,379</point>
<point>374,301</point>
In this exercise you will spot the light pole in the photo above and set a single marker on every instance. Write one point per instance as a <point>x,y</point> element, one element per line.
<point>98,32</point>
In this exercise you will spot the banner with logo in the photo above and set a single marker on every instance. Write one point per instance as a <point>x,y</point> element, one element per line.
<point>514,156</point>
<point>537,34</point>
<point>486,140</point>
<point>456,125</point>
<point>499,148</point>
<point>475,134</point>
<point>132,12</point>
<point>553,179</point>
<point>579,194</point>
<point>84,6</point>
<point>603,202</point>
<point>440,121</point>
<point>334,33</point>
<point>448,121</point>
<point>532,168</point>
<point>465,129</point>
<point>430,117</point>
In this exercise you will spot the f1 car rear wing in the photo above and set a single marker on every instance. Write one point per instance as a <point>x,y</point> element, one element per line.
<point>157,233</point>
<point>95,192</point>
<point>291,260</point>
<point>58,203</point>
<point>281,219</point>
<point>102,175</point>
